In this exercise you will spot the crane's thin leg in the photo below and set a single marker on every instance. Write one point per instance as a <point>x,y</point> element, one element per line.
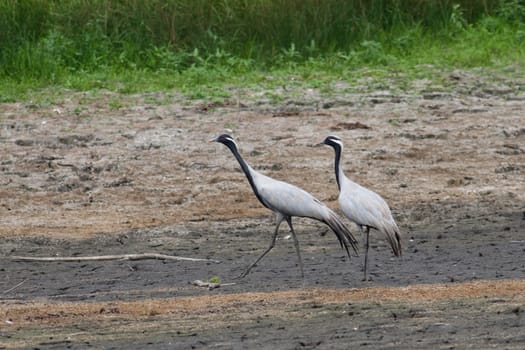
<point>366,251</point>
<point>296,243</point>
<point>279,219</point>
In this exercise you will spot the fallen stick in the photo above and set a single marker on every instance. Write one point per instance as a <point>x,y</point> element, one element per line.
<point>110,257</point>
<point>13,288</point>
<point>210,285</point>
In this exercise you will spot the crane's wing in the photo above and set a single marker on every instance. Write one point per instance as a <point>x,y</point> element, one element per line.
<point>367,208</point>
<point>288,199</point>
<point>291,200</point>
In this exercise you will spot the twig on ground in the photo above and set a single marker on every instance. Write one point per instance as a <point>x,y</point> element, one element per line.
<point>143,256</point>
<point>68,165</point>
<point>210,285</point>
<point>14,287</point>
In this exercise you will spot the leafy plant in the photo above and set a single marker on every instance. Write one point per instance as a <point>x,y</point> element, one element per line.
<point>115,104</point>
<point>214,279</point>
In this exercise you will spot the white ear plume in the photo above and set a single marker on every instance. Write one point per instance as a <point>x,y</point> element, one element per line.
<point>335,139</point>
<point>229,138</point>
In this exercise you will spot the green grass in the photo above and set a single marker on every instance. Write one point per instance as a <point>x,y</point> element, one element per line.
<point>206,49</point>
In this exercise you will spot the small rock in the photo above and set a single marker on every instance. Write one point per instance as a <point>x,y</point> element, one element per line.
<point>24,142</point>
<point>391,171</point>
<point>507,169</point>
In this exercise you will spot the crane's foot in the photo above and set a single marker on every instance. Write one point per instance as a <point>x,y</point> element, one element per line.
<point>244,274</point>
<point>366,277</point>
<point>241,276</point>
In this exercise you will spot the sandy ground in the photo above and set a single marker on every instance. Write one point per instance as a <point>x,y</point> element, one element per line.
<point>84,175</point>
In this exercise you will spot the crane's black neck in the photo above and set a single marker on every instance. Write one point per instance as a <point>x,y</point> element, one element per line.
<point>338,170</point>
<point>245,168</point>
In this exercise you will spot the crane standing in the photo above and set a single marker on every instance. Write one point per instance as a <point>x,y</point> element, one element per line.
<point>363,206</point>
<point>286,201</point>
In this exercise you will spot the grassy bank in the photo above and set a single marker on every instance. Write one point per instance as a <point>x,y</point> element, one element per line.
<point>198,47</point>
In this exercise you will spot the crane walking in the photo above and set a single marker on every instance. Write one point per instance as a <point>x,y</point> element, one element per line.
<point>363,206</point>
<point>286,201</point>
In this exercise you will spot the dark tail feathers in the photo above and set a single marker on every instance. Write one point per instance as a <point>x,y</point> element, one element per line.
<point>345,237</point>
<point>394,239</point>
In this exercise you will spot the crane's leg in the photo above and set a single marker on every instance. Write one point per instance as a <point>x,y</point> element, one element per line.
<point>366,251</point>
<point>296,243</point>
<point>279,218</point>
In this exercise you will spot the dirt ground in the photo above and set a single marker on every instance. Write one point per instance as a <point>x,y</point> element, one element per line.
<point>100,173</point>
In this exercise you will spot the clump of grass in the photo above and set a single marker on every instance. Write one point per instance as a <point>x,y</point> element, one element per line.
<point>200,46</point>
<point>214,279</point>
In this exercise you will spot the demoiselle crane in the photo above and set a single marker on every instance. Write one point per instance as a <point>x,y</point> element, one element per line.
<point>363,206</point>
<point>286,201</point>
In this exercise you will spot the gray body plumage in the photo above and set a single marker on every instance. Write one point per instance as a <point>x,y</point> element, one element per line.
<point>286,201</point>
<point>363,206</point>
<point>366,208</point>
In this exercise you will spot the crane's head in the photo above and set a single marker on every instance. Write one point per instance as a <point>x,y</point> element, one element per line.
<point>333,141</point>
<point>225,139</point>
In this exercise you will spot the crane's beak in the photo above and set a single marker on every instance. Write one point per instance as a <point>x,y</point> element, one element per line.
<point>212,139</point>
